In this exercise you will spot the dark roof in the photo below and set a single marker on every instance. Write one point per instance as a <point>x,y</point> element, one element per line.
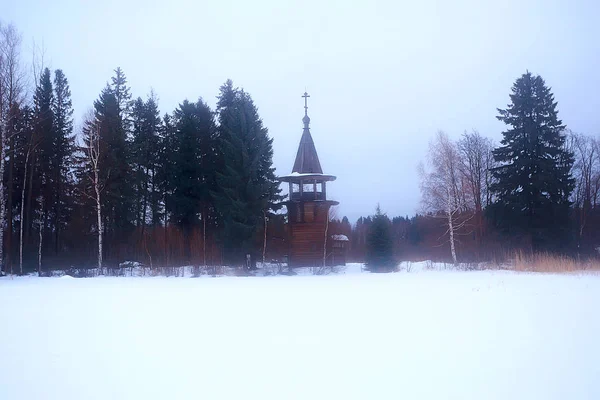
<point>307,160</point>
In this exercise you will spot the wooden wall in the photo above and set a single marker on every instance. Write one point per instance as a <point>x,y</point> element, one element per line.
<point>307,237</point>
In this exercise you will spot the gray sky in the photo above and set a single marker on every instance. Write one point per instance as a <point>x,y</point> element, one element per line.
<point>383,76</point>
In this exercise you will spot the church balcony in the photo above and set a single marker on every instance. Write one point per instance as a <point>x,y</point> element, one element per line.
<point>307,196</point>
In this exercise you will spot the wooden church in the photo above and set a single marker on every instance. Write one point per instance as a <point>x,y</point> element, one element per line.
<point>310,243</point>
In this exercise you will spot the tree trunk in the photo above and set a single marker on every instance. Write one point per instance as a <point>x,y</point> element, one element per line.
<point>145,206</point>
<point>154,201</point>
<point>58,209</point>
<point>99,218</point>
<point>204,235</point>
<point>166,233</point>
<point>42,221</point>
<point>23,211</point>
<point>139,200</point>
<point>29,201</point>
<point>265,239</point>
<point>9,206</point>
<point>2,190</point>
<point>451,231</point>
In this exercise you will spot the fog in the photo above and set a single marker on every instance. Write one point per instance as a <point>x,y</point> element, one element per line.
<point>383,76</point>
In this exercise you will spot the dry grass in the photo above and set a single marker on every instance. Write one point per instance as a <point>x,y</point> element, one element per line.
<point>544,262</point>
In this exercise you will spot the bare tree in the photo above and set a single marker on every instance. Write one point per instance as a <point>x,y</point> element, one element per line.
<point>12,84</point>
<point>475,163</point>
<point>595,183</point>
<point>443,189</point>
<point>586,171</point>
<point>3,142</point>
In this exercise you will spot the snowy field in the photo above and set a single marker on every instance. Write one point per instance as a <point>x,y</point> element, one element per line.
<point>351,335</point>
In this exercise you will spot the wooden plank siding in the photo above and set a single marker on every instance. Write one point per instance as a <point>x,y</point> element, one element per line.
<point>307,238</point>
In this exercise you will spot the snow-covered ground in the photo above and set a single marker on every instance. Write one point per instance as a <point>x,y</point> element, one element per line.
<point>348,335</point>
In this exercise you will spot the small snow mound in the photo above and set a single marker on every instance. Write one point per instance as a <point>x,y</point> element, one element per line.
<point>342,238</point>
<point>67,277</point>
<point>130,264</point>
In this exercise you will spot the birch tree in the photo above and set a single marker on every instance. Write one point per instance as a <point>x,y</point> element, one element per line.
<point>41,220</point>
<point>586,170</point>
<point>12,83</point>
<point>442,186</point>
<point>95,184</point>
<point>475,155</point>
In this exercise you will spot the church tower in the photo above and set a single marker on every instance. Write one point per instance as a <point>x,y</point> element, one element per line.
<point>307,205</point>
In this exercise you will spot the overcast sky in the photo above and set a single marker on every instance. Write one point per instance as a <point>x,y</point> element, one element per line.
<point>383,76</point>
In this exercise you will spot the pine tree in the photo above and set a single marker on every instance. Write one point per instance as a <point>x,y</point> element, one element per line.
<point>63,157</point>
<point>123,98</point>
<point>193,163</point>
<point>380,245</point>
<point>115,158</point>
<point>533,181</point>
<point>144,152</point>
<point>138,156</point>
<point>154,126</point>
<point>246,180</point>
<point>165,157</point>
<point>41,194</point>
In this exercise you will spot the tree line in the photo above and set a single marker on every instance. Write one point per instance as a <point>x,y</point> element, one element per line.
<point>192,186</point>
<point>197,186</point>
<point>535,191</point>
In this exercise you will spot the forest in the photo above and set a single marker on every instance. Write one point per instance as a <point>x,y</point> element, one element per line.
<point>536,192</point>
<point>196,186</point>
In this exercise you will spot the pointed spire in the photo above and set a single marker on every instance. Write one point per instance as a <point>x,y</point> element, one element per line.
<point>307,160</point>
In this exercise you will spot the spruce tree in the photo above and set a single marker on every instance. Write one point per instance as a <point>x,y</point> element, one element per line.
<point>63,157</point>
<point>144,153</point>
<point>139,147</point>
<point>193,162</point>
<point>533,181</point>
<point>165,160</point>
<point>154,126</point>
<point>247,187</point>
<point>380,245</point>
<point>115,157</point>
<point>41,195</point>
<point>123,98</point>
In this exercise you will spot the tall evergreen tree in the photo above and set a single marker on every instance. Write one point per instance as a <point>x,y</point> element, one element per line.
<point>154,126</point>
<point>123,98</point>
<point>41,195</point>
<point>193,163</point>
<point>533,181</point>
<point>112,120</point>
<point>63,157</point>
<point>380,244</point>
<point>247,187</point>
<point>165,160</point>
<point>144,153</point>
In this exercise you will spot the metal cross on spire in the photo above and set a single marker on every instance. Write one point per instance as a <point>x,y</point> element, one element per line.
<point>306,96</point>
